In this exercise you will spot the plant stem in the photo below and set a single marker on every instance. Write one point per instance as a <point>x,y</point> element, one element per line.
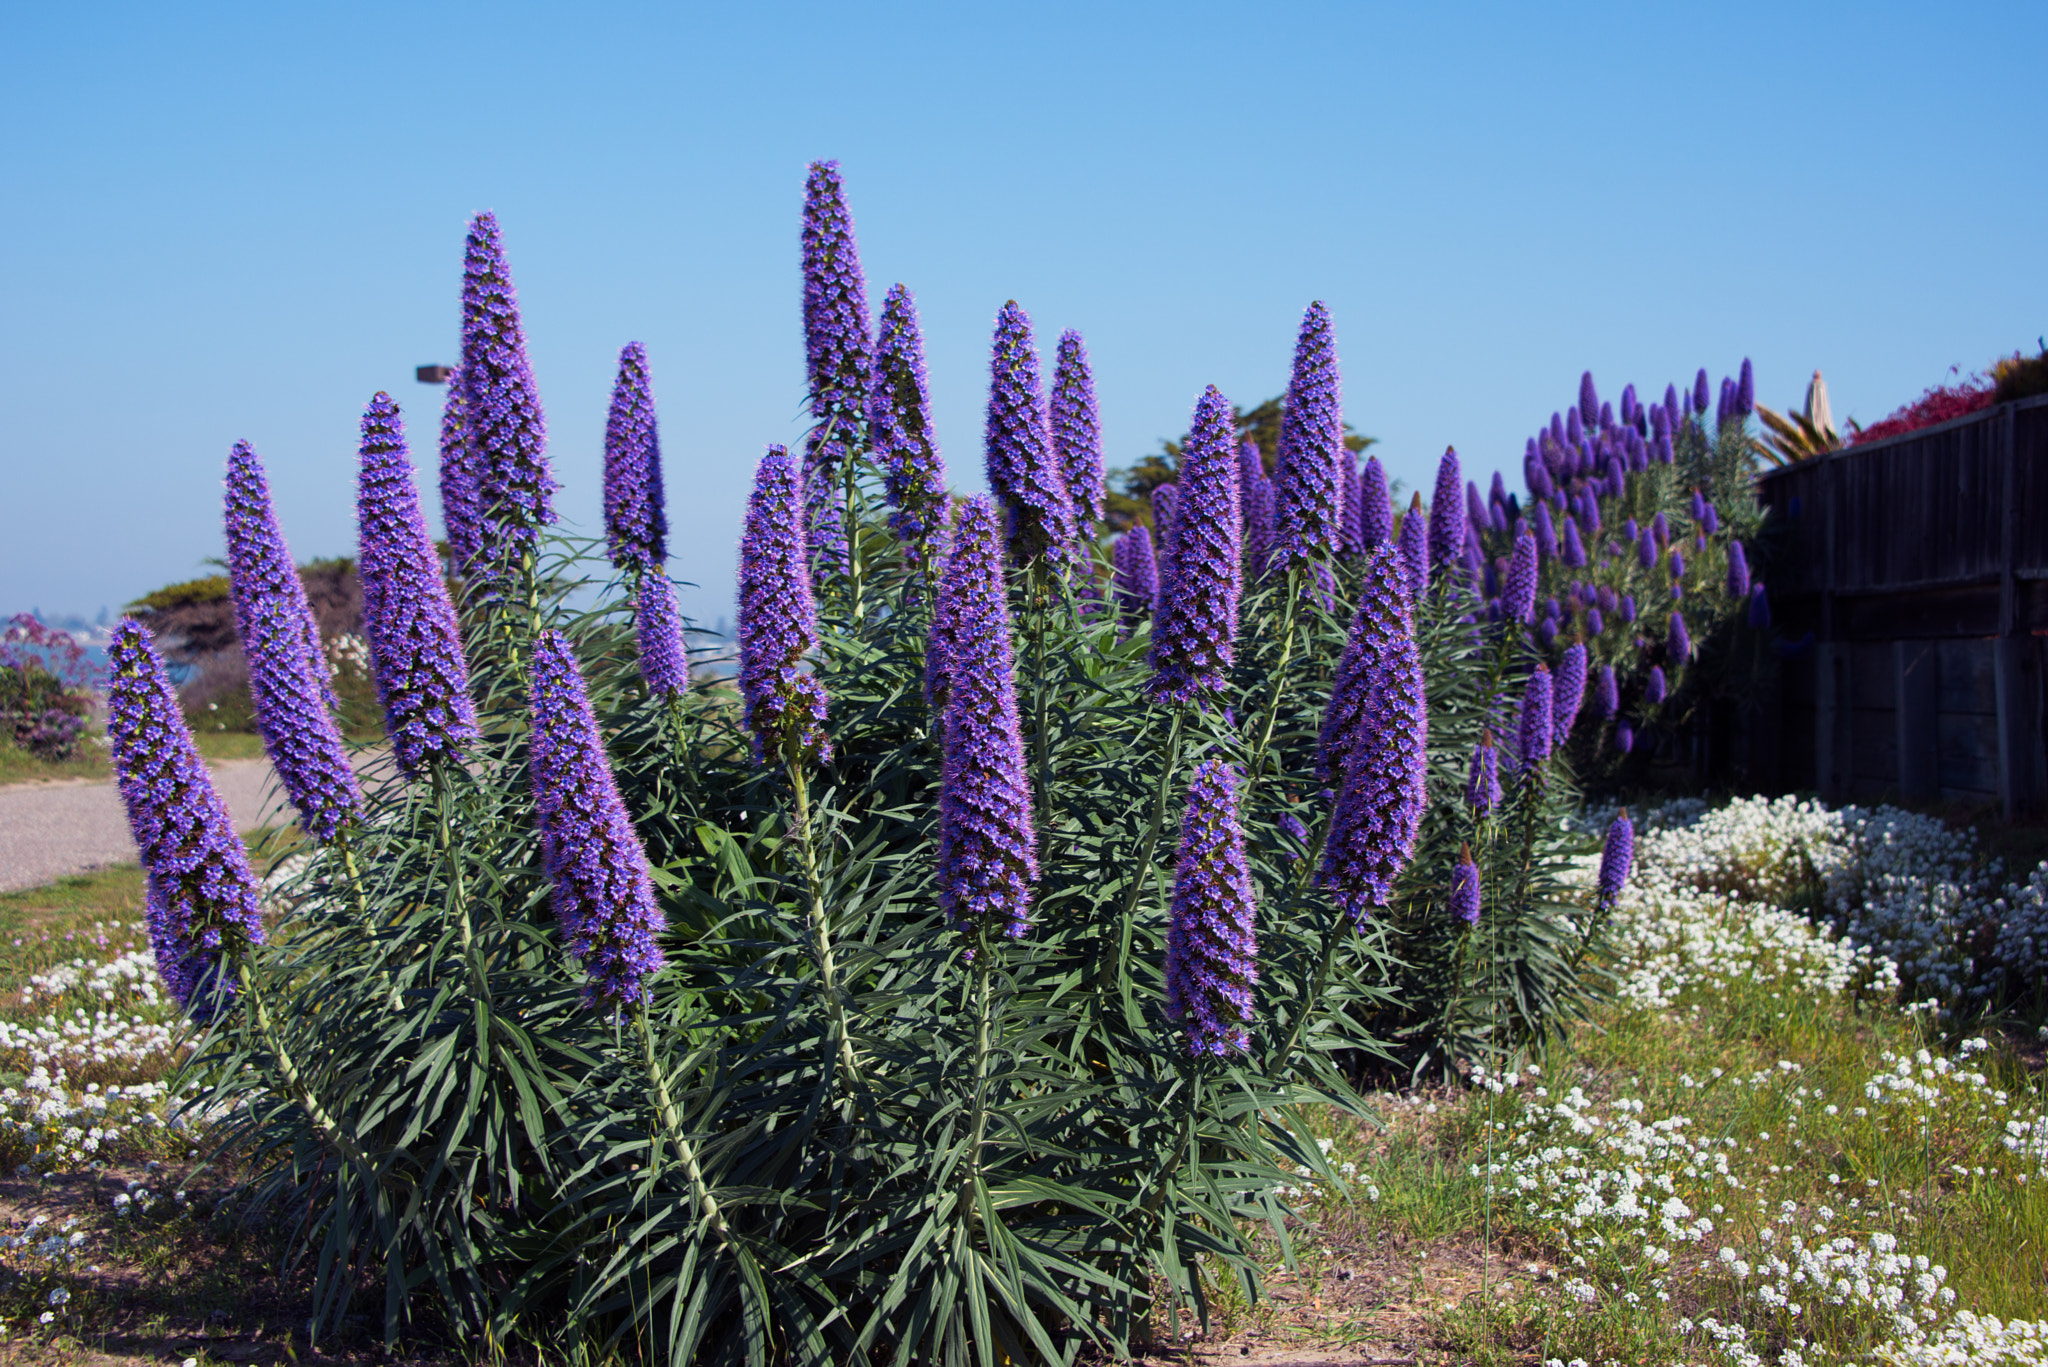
<point>816,921</point>
<point>978,1124</point>
<point>444,831</point>
<point>1331,937</point>
<point>331,1128</point>
<point>1041,744</point>
<point>1141,868</point>
<point>1271,711</point>
<point>671,1122</point>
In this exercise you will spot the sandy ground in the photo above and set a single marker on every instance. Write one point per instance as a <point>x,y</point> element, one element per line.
<point>48,830</point>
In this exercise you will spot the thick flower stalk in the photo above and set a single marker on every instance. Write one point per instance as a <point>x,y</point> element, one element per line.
<point>1077,434</point>
<point>1616,855</point>
<point>1193,642</point>
<point>1538,720</point>
<point>1465,887</point>
<point>988,859</point>
<point>1212,950</point>
<point>658,629</point>
<point>1137,576</point>
<point>415,646</point>
<point>202,899</point>
<point>1023,470</point>
<point>1414,545</point>
<point>1567,693</point>
<point>1384,760</point>
<point>462,512</point>
<point>507,432</point>
<point>635,518</point>
<point>1482,786</point>
<point>1311,435</point>
<point>1375,505</point>
<point>1447,513</point>
<point>604,888</point>
<point>288,675</point>
<point>1518,595</point>
<point>778,620</point>
<point>900,425</point>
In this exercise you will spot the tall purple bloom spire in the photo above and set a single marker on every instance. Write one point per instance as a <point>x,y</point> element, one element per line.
<point>1212,949</point>
<point>1375,507</point>
<point>1537,723</point>
<point>1193,642</point>
<point>635,520</point>
<point>778,627</point>
<point>507,432</point>
<point>1415,549</point>
<point>202,897</point>
<point>1567,693</point>
<point>1137,576</point>
<point>664,659</point>
<point>1374,638</point>
<point>1023,470</point>
<point>604,887</point>
<point>1606,693</point>
<point>1465,887</point>
<point>900,424</point>
<point>1482,786</point>
<point>288,676</point>
<point>987,849</point>
<point>1654,686</point>
<point>1255,498</point>
<point>1311,434</point>
<point>1518,596</point>
<point>1385,762</point>
<point>1678,642</point>
<point>462,512</point>
<point>1738,571</point>
<point>836,347</point>
<point>1573,551</point>
<point>1589,400</point>
<point>1350,517</point>
<point>1077,434</point>
<point>1165,507</point>
<point>1617,853</point>
<point>1447,513</point>
<point>422,678</point>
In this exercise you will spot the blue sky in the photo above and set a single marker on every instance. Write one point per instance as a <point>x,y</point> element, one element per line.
<point>229,221</point>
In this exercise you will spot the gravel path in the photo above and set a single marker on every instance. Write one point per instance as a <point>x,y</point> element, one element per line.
<point>48,830</point>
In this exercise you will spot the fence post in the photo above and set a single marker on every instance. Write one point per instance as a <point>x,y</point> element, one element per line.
<point>1917,703</point>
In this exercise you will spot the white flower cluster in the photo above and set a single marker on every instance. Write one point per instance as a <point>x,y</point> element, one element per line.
<point>127,977</point>
<point>105,1042</point>
<point>348,651</point>
<point>48,1128</point>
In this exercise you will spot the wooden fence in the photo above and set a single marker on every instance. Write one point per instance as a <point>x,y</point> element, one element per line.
<point>1914,573</point>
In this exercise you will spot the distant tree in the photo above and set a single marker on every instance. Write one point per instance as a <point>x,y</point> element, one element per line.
<point>1130,487</point>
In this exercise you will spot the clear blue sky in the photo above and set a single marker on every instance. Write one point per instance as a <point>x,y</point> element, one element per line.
<point>225,221</point>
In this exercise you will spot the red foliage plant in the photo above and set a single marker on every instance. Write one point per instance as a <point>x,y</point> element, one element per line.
<point>1938,404</point>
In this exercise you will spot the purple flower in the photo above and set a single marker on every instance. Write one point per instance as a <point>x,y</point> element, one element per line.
<point>1311,434</point>
<point>1482,788</point>
<point>604,888</point>
<point>1606,693</point>
<point>1256,496</point>
<point>1350,516</point>
<point>1137,576</point>
<point>1567,693</point>
<point>1537,720</point>
<point>501,407</point>
<point>462,512</point>
<point>1595,623</point>
<point>202,897</point>
<point>288,676</point>
<point>1738,571</point>
<point>1678,641</point>
<point>1745,391</point>
<point>1518,598</point>
<point>836,347</point>
<point>1624,738</point>
<point>422,678</point>
<point>1077,434</point>
<point>1616,855</point>
<point>635,521</point>
<point>1646,550</point>
<point>1476,519</point>
<point>1375,508</point>
<point>1536,474</point>
<point>1589,399</point>
<point>1710,521</point>
<point>1672,412</point>
<point>1165,507</point>
<point>1759,608</point>
<point>1700,391</point>
<point>987,850</point>
<point>1660,530</point>
<point>1546,533</point>
<point>778,627</point>
<point>900,424</point>
<point>1193,640</point>
<point>664,660</point>
<point>1382,753</point>
<point>1414,548</point>
<point>1573,552</point>
<point>1446,513</point>
<point>1212,949</point>
<point>1629,406</point>
<point>1465,887</point>
<point>1022,469</point>
<point>1677,565</point>
<point>1627,609</point>
<point>1655,688</point>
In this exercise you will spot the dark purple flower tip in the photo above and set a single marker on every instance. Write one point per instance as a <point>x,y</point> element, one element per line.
<point>1759,608</point>
<point>1677,565</point>
<point>1414,548</point>
<point>635,519</point>
<point>988,860</point>
<point>288,672</point>
<point>778,620</point>
<point>422,677</point>
<point>1573,552</point>
<point>1660,529</point>
<point>1710,521</point>
<point>1546,532</point>
<point>1476,519</point>
<point>604,887</point>
<point>1624,738</point>
<point>1655,688</point>
<point>1606,693</point>
<point>1537,724</point>
<point>1311,435</point>
<point>1595,623</point>
<point>1589,400</point>
<point>1212,949</point>
<point>1465,888</point>
<point>1629,406</point>
<point>1023,471</point>
<point>1447,513</point>
<point>1260,529</point>
<point>1745,391</point>
<point>1617,854</point>
<point>1375,506</point>
<point>1627,609</point>
<point>1574,428</point>
<point>836,346</point>
<point>507,433</point>
<point>900,424</point>
<point>462,510</point>
<point>1568,692</point>
<point>1137,574</point>
<point>202,898</point>
<point>1518,598</point>
<point>1700,391</point>
<point>1482,787</point>
<point>664,659</point>
<point>1646,550</point>
<point>1738,571</point>
<point>1193,642</point>
<point>1077,434</point>
<point>1678,642</point>
<point>1292,825</point>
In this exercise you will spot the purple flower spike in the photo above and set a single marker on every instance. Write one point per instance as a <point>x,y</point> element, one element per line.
<point>1678,642</point>
<point>1738,571</point>
<point>1212,949</point>
<point>635,520</point>
<point>1414,547</point>
<point>1759,608</point>
<point>1465,888</point>
<point>1616,855</point>
<point>987,849</point>
<point>1677,565</point>
<point>1350,516</point>
<point>1447,513</point>
<point>422,679</point>
<point>900,424</point>
<point>1482,788</point>
<point>462,512</point>
<point>1380,749</point>
<point>1595,623</point>
<point>1165,507</point>
<point>1700,391</point>
<point>604,887</point>
<point>1606,693</point>
<point>1022,469</point>
<point>664,660</point>
<point>836,347</point>
<point>1260,532</point>
<point>1518,598</point>
<point>1193,640</point>
<point>1660,528</point>
<point>1137,575</point>
<point>202,897</point>
<point>1654,688</point>
<point>508,436</point>
<point>1624,738</point>
<point>1077,434</point>
<point>1476,519</point>
<point>1745,391</point>
<point>1672,413</point>
<point>1627,609</point>
<point>1538,721</point>
<point>288,675</point>
<point>778,627</point>
<point>1375,508</point>
<point>1646,550</point>
<point>1311,434</point>
<point>1567,693</point>
<point>1589,400</point>
<point>1573,552</point>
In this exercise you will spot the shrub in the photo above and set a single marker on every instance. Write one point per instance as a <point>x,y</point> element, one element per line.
<point>46,683</point>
